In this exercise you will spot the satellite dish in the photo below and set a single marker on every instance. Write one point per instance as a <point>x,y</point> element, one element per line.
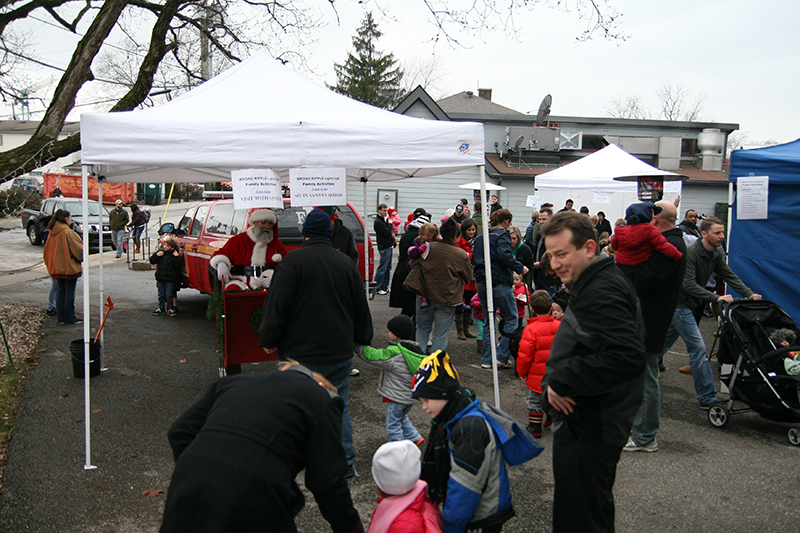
<point>544,110</point>
<point>518,142</point>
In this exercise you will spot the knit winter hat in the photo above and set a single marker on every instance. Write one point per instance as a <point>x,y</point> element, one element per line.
<point>436,379</point>
<point>317,225</point>
<point>641,213</point>
<point>263,215</point>
<point>402,327</point>
<point>396,467</point>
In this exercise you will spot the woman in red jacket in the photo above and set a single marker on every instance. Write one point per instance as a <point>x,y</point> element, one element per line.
<point>463,316</point>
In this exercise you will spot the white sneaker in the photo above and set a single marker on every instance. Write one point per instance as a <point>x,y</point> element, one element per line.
<point>633,447</point>
<point>355,372</point>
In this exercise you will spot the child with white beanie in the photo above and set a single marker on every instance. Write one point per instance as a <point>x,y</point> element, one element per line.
<point>403,502</point>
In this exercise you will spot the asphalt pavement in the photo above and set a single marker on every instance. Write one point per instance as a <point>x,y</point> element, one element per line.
<point>741,478</point>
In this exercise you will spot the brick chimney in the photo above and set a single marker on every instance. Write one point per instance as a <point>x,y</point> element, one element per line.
<point>486,94</point>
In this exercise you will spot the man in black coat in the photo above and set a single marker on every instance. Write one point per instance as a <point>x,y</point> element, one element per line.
<point>383,234</point>
<point>314,285</point>
<point>593,379</point>
<point>239,448</point>
<point>659,282</point>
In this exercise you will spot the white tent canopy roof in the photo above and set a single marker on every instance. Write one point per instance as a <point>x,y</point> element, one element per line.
<point>596,172</point>
<point>260,114</point>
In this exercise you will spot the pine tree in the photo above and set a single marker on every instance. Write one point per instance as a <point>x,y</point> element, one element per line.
<point>369,76</point>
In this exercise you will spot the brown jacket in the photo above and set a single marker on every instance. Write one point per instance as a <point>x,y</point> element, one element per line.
<point>442,275</point>
<point>63,252</point>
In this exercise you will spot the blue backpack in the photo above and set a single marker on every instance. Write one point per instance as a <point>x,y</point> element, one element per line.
<point>518,446</point>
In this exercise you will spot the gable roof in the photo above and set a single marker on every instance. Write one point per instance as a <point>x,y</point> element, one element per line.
<point>420,96</point>
<point>467,102</point>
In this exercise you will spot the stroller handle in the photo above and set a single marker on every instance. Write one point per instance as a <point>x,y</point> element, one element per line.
<point>777,353</point>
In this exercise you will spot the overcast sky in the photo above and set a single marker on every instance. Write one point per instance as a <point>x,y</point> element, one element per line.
<point>741,55</point>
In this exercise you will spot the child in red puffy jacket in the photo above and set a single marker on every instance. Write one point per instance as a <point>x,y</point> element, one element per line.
<point>403,503</point>
<point>636,241</point>
<point>534,350</point>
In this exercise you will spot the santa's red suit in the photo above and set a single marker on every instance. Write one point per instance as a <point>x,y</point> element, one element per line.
<point>250,260</point>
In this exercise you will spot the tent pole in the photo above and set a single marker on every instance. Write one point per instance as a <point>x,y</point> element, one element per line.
<point>730,221</point>
<point>366,239</point>
<point>490,307</point>
<point>87,413</point>
<point>100,275</point>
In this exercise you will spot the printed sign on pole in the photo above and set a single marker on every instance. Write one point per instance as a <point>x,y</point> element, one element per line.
<point>256,187</point>
<point>318,186</point>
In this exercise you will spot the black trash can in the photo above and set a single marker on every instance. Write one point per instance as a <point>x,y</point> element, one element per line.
<point>76,349</point>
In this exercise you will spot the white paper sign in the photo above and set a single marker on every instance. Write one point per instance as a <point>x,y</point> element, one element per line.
<point>752,197</point>
<point>601,198</point>
<point>318,186</point>
<point>256,187</point>
<point>534,201</point>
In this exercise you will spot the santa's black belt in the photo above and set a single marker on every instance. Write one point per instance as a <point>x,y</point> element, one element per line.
<point>252,271</point>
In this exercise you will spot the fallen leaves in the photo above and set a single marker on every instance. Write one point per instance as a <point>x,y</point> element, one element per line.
<point>152,492</point>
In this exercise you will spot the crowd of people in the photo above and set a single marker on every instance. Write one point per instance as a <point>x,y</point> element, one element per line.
<point>591,377</point>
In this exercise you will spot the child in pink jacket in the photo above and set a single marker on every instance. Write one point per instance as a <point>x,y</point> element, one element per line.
<point>403,502</point>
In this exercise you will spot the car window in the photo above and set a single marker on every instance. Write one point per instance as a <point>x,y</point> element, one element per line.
<point>238,221</point>
<point>290,223</point>
<point>48,208</point>
<point>76,208</point>
<point>221,219</point>
<point>199,218</point>
<point>183,225</point>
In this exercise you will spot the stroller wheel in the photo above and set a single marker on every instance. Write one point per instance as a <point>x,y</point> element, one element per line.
<point>794,436</point>
<point>718,416</point>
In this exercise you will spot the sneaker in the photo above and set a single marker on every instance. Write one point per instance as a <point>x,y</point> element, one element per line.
<point>685,370</point>
<point>661,367</point>
<point>158,311</point>
<point>351,472</point>
<point>51,312</point>
<point>172,312</point>
<point>633,447</point>
<point>486,367</point>
<point>504,365</point>
<point>707,406</point>
<point>355,372</point>
<point>382,293</point>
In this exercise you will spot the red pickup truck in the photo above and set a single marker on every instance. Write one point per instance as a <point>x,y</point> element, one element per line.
<point>206,226</point>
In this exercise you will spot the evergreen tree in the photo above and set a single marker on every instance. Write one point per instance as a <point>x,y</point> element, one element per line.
<point>369,76</point>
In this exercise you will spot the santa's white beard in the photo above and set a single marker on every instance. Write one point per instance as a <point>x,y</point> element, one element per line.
<point>264,236</point>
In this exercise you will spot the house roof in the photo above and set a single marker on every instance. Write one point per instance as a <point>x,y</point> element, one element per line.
<point>470,103</point>
<point>419,96</point>
<point>501,167</point>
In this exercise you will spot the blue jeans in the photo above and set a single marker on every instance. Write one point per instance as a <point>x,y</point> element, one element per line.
<point>65,301</point>
<point>384,268</point>
<point>645,425</point>
<point>683,324</point>
<point>504,300</point>
<point>136,234</point>
<point>51,298</point>
<point>436,317</point>
<point>338,373</point>
<point>118,238</point>
<point>398,426</point>
<point>166,293</point>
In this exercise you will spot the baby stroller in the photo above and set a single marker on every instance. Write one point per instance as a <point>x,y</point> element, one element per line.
<point>752,366</point>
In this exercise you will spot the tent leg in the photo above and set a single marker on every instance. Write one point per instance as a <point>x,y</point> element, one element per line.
<point>87,413</point>
<point>366,241</point>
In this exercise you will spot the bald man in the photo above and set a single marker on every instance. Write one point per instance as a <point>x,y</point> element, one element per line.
<point>658,295</point>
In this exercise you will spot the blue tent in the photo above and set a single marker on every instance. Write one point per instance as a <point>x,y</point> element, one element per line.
<point>764,253</point>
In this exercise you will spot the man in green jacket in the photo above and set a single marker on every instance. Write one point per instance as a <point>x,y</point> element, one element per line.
<point>117,220</point>
<point>702,258</point>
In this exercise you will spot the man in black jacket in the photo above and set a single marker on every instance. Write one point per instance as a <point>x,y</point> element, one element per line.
<point>593,379</point>
<point>318,284</point>
<point>383,234</point>
<point>658,286</point>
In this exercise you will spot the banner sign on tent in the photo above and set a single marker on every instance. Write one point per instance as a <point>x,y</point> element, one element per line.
<point>534,201</point>
<point>752,198</point>
<point>256,187</point>
<point>318,186</point>
<point>601,198</point>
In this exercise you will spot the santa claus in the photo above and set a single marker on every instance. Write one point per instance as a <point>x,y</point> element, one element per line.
<point>247,260</point>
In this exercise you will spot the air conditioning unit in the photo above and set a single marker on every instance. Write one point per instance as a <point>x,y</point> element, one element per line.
<point>571,140</point>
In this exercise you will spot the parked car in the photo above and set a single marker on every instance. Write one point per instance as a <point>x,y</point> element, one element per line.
<point>27,184</point>
<point>31,219</point>
<point>206,226</point>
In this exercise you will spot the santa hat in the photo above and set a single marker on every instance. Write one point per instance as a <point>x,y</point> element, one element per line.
<point>263,215</point>
<point>396,467</point>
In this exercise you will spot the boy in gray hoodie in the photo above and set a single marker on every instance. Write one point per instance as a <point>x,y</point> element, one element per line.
<point>398,363</point>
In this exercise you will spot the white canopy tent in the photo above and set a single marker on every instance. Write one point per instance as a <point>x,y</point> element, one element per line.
<point>260,114</point>
<point>601,172</point>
